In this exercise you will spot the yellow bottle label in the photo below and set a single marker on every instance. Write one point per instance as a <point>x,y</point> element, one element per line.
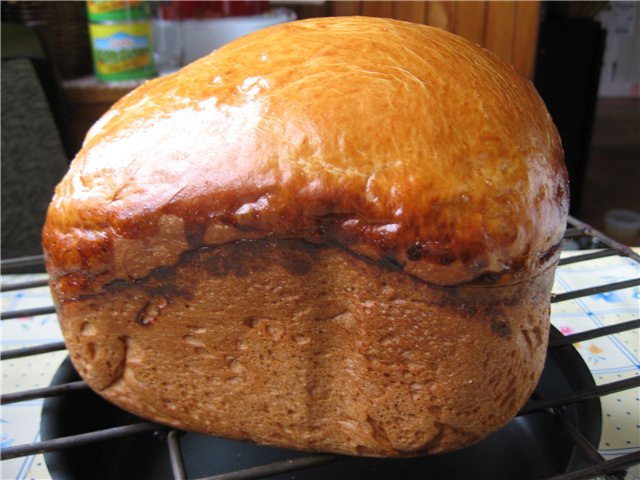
<point>122,51</point>
<point>107,10</point>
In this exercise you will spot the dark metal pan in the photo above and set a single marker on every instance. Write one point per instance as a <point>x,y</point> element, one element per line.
<point>530,447</point>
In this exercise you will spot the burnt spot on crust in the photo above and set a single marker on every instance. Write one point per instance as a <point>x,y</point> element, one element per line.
<point>467,309</point>
<point>116,286</point>
<point>244,257</point>
<point>298,264</point>
<point>489,278</point>
<point>548,255</point>
<point>151,311</point>
<point>500,327</point>
<point>561,191</point>
<point>167,290</point>
<point>488,308</point>
<point>445,258</point>
<point>391,263</point>
<point>159,283</point>
<point>239,259</point>
<point>328,224</point>
<point>435,252</point>
<point>194,232</point>
<point>164,273</point>
<point>414,252</point>
<point>223,263</point>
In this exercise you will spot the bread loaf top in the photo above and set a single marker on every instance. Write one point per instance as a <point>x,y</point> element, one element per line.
<point>400,142</point>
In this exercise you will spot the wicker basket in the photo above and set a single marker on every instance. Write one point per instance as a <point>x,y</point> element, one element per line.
<point>65,29</point>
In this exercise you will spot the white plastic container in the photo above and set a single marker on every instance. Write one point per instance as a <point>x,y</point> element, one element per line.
<point>167,45</point>
<point>621,223</point>
<point>201,37</point>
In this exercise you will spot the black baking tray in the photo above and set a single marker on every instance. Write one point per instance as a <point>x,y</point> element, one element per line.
<point>529,447</point>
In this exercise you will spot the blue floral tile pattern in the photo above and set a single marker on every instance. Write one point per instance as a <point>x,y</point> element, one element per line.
<point>20,422</point>
<point>610,358</point>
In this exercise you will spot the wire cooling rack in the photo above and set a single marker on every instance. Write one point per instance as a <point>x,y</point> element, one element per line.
<point>578,233</point>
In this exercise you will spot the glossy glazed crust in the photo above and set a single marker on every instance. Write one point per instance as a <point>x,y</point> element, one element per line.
<point>400,142</point>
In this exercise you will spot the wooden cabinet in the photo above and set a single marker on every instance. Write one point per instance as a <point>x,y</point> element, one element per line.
<point>87,99</point>
<point>509,29</point>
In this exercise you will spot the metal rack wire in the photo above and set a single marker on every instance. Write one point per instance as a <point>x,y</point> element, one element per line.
<point>578,231</point>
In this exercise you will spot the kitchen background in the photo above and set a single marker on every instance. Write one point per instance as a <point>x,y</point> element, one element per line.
<point>584,58</point>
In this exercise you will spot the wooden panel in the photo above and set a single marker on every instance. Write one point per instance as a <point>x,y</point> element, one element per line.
<point>508,28</point>
<point>377,9</point>
<point>499,28</point>
<point>345,8</point>
<point>410,11</point>
<point>91,91</point>
<point>441,14</point>
<point>525,37</point>
<point>87,99</point>
<point>311,10</point>
<point>470,21</point>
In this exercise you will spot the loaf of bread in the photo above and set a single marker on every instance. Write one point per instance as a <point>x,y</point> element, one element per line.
<point>337,234</point>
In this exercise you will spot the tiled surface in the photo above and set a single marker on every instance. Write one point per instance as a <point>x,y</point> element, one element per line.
<point>20,422</point>
<point>609,358</point>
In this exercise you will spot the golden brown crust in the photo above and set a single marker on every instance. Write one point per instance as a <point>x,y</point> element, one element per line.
<point>288,343</point>
<point>346,227</point>
<point>400,142</point>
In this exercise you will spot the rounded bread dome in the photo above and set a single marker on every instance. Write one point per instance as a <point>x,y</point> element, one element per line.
<point>402,143</point>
